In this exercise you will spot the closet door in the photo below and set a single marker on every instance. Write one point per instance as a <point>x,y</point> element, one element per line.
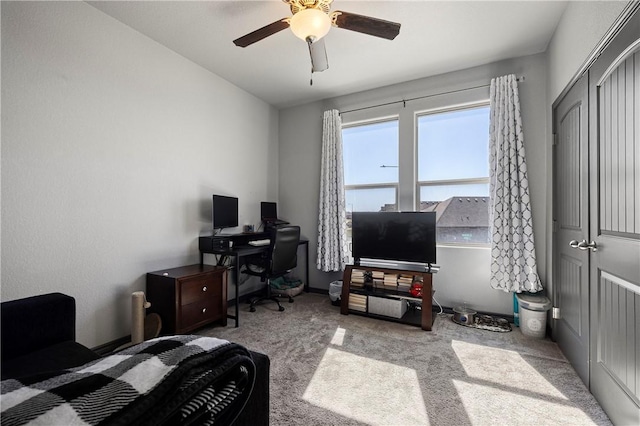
<point>571,226</point>
<point>614,244</point>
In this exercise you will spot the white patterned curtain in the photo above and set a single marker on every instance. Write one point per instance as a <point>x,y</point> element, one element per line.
<point>513,255</point>
<point>332,219</point>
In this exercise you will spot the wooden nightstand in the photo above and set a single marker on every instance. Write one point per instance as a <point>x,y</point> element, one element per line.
<point>188,297</point>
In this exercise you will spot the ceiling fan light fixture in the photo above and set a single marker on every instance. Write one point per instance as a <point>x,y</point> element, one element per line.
<point>310,23</point>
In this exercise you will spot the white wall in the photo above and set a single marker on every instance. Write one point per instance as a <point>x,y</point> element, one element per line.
<point>112,146</point>
<point>460,279</point>
<point>581,28</point>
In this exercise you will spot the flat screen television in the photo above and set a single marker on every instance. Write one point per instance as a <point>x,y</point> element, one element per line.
<point>394,236</point>
<point>224,212</point>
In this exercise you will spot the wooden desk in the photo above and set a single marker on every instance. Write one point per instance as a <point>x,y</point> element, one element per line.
<point>239,251</point>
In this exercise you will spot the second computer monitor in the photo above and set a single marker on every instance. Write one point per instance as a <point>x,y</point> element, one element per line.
<point>268,211</point>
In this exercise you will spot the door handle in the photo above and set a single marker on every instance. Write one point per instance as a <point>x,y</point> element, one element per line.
<point>583,245</point>
<point>574,243</point>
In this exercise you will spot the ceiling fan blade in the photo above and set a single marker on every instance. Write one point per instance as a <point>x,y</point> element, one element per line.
<point>366,24</point>
<point>262,33</point>
<point>318,54</point>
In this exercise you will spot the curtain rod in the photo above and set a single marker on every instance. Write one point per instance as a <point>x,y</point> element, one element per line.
<point>404,101</point>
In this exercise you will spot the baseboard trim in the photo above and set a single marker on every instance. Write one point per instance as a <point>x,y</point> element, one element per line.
<point>111,346</point>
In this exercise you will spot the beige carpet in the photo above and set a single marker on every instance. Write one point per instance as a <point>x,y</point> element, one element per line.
<point>332,369</point>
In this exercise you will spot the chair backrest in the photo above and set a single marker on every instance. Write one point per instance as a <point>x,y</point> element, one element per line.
<point>284,249</point>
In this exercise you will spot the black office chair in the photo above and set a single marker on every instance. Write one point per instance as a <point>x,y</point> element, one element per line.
<point>281,258</point>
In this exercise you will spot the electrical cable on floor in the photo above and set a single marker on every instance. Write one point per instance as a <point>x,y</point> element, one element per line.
<point>242,278</point>
<point>439,306</point>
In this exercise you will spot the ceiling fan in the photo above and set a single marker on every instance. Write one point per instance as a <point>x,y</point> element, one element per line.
<point>312,20</point>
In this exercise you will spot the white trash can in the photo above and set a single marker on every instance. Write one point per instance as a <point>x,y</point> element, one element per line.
<point>335,292</point>
<point>533,309</point>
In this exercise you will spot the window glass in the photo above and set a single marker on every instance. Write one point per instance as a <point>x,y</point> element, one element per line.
<point>370,153</point>
<point>370,200</point>
<point>453,173</point>
<point>443,192</point>
<point>371,163</point>
<point>453,144</point>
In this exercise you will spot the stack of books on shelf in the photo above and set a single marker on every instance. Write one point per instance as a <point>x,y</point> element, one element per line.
<point>390,281</point>
<point>377,278</point>
<point>358,302</point>
<point>404,282</point>
<point>357,278</point>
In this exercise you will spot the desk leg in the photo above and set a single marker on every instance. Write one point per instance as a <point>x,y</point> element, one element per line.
<point>237,302</point>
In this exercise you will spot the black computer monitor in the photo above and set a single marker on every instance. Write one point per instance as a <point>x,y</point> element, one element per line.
<point>268,211</point>
<point>225,212</point>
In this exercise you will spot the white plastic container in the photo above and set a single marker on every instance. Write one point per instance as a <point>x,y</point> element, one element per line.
<point>533,314</point>
<point>394,308</point>
<point>335,291</point>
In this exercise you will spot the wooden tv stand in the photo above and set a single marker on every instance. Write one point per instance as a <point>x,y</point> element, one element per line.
<point>423,319</point>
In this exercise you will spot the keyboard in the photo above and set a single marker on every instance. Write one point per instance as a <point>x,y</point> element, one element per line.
<point>260,242</point>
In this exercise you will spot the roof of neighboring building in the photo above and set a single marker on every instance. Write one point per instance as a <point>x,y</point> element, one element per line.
<point>454,211</point>
<point>459,211</point>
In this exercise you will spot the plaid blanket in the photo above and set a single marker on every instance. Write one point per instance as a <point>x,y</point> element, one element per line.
<point>169,380</point>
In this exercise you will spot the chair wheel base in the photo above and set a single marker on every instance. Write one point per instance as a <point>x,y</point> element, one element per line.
<point>290,299</point>
<point>252,309</point>
<point>281,308</point>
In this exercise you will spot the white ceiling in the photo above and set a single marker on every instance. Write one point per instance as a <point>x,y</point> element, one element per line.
<point>436,37</point>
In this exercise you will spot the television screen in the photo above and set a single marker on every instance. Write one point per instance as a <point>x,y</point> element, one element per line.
<point>395,236</point>
<point>225,212</point>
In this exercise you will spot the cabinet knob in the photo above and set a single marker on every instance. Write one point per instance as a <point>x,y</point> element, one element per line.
<point>204,310</point>
<point>204,288</point>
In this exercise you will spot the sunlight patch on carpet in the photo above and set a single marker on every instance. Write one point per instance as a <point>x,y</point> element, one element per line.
<point>491,405</point>
<point>338,336</point>
<point>503,367</point>
<point>363,389</point>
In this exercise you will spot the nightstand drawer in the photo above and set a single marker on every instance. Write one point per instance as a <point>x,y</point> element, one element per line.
<point>199,288</point>
<point>198,312</point>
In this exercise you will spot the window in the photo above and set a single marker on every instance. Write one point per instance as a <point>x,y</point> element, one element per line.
<point>370,156</point>
<point>434,157</point>
<point>453,172</point>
